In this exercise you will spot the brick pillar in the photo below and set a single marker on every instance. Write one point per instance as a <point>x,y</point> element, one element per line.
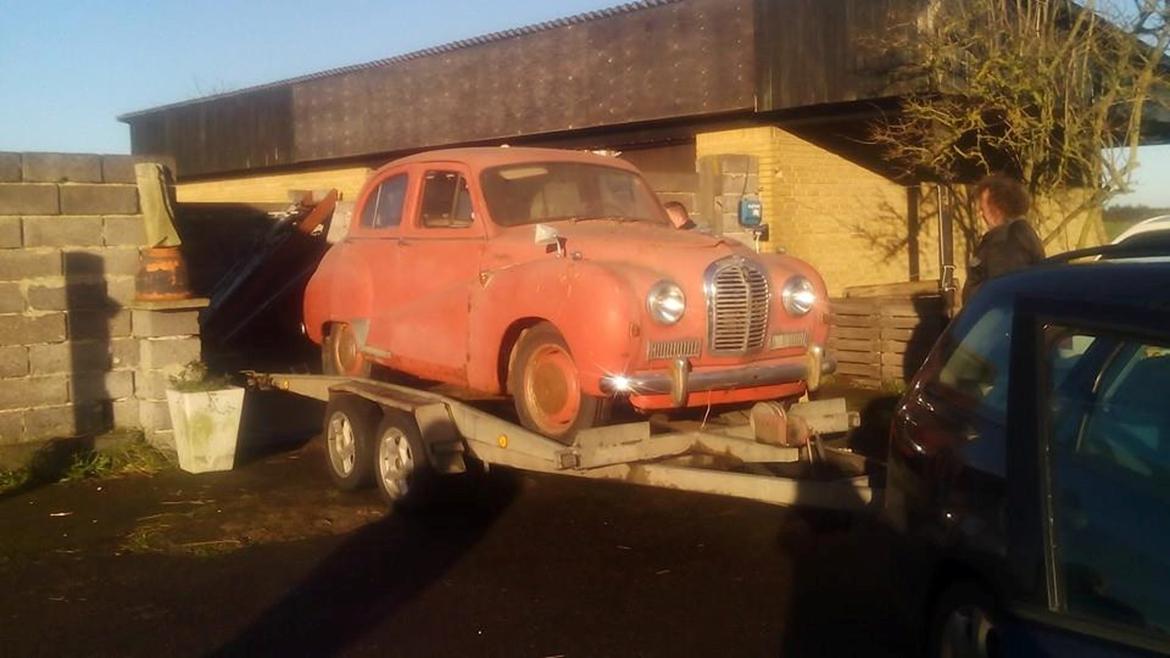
<point>167,335</point>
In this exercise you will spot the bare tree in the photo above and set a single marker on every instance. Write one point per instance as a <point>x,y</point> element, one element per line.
<point>1053,91</point>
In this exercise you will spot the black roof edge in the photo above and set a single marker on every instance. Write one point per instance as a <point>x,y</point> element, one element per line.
<point>576,19</point>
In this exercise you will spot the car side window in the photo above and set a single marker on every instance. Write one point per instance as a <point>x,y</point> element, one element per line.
<point>446,200</point>
<point>1109,456</point>
<point>384,206</point>
<point>976,365</point>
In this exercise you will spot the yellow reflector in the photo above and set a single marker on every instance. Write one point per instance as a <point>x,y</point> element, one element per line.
<point>502,440</point>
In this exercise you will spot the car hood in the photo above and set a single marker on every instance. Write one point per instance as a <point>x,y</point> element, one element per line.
<point>629,241</point>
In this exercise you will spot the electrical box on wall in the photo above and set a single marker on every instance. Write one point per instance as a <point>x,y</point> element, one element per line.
<point>751,211</point>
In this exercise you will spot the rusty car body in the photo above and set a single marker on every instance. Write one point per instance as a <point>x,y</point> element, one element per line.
<point>556,277</point>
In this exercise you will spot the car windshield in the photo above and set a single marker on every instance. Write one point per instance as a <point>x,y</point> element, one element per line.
<point>532,193</point>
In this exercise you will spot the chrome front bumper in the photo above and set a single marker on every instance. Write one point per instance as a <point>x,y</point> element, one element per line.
<point>679,381</point>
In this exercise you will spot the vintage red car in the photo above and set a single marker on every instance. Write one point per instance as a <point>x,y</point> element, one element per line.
<point>556,277</point>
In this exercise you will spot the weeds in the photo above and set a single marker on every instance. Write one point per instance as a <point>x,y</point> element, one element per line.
<point>64,461</point>
<point>10,480</point>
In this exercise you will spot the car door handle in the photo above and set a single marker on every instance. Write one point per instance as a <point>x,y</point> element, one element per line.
<point>404,243</point>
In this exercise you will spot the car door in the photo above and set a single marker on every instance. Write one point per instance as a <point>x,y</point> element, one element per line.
<point>371,251</point>
<point>437,271</point>
<point>1100,463</point>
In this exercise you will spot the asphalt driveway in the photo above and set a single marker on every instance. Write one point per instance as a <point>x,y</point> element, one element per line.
<point>270,560</point>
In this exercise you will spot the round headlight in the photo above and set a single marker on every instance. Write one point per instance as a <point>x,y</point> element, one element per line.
<point>799,296</point>
<point>666,302</point>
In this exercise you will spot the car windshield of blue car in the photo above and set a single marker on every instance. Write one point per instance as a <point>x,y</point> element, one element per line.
<point>533,193</point>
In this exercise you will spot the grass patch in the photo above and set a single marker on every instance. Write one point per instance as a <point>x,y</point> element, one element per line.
<point>64,461</point>
<point>10,480</point>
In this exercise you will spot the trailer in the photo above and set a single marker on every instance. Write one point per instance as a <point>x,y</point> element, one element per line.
<point>410,441</point>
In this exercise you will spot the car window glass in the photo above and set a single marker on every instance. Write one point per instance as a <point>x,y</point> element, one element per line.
<point>1110,463</point>
<point>383,208</point>
<point>977,365</point>
<point>446,200</point>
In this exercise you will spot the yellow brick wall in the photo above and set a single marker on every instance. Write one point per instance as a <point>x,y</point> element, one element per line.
<point>845,220</point>
<point>273,188</point>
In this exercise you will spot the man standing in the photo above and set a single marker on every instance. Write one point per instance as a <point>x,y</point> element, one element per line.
<point>679,217</point>
<point>1010,242</point>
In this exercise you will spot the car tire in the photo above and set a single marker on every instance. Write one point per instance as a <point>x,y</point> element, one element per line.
<point>350,423</point>
<point>340,355</point>
<point>545,387</point>
<point>963,623</point>
<point>399,462</point>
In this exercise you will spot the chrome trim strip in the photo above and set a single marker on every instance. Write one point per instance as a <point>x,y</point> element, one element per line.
<point>745,377</point>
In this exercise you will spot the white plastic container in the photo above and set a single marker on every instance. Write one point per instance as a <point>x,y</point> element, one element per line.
<point>206,425</point>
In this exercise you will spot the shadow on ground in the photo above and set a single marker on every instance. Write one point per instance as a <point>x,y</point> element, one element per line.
<point>374,572</point>
<point>843,582</point>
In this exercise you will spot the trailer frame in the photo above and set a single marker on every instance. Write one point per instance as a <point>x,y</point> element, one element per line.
<point>726,461</point>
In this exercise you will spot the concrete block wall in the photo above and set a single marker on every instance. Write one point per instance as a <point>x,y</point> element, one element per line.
<point>71,352</point>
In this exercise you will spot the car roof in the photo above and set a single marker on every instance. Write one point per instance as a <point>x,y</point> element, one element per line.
<point>1159,223</point>
<point>1138,282</point>
<point>483,157</point>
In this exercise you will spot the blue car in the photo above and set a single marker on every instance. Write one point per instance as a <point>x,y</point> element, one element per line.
<point>1029,466</point>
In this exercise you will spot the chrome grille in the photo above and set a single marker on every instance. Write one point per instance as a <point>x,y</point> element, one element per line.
<point>738,302</point>
<point>674,349</point>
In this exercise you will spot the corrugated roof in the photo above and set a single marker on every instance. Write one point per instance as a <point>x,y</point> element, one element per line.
<point>576,19</point>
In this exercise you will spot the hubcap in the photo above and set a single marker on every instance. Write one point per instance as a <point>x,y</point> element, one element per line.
<point>395,462</point>
<point>551,389</point>
<point>969,633</point>
<point>342,447</point>
<point>345,351</point>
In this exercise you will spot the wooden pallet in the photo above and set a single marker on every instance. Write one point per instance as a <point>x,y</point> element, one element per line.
<point>877,340</point>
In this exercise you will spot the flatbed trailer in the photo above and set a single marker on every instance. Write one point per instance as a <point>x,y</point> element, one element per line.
<point>377,428</point>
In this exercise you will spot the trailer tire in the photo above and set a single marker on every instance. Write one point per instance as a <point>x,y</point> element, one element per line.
<point>543,383</point>
<point>399,462</point>
<point>349,432</point>
<point>340,355</point>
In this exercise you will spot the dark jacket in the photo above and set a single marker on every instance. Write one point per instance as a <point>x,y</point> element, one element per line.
<point>1010,246</point>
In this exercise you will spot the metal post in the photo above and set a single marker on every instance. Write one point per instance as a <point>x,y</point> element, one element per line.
<point>946,250</point>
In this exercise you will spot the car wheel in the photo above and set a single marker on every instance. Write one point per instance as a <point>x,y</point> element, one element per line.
<point>349,431</point>
<point>340,355</point>
<point>963,624</point>
<point>401,467</point>
<point>545,386</point>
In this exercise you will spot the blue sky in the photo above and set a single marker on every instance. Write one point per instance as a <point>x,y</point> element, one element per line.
<point>67,68</point>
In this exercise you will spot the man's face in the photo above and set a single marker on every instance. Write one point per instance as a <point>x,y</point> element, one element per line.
<point>992,216</point>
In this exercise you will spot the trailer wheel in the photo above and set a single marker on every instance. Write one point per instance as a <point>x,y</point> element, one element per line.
<point>400,463</point>
<point>340,355</point>
<point>349,432</point>
<point>545,386</point>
